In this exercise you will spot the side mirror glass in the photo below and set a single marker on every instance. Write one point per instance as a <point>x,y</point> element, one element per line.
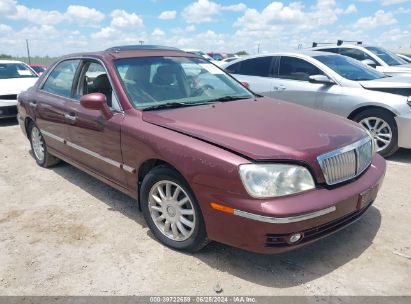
<point>96,101</point>
<point>369,62</point>
<point>322,79</point>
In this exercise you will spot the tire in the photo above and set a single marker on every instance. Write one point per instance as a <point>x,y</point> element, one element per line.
<point>43,159</point>
<point>168,211</point>
<point>376,118</point>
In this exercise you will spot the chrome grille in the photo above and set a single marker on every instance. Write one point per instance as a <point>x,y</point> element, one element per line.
<point>346,163</point>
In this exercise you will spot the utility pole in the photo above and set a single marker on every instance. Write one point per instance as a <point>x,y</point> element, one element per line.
<point>28,50</point>
<point>141,42</point>
<point>258,48</point>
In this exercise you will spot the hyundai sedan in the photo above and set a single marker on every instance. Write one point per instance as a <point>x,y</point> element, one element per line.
<point>204,157</point>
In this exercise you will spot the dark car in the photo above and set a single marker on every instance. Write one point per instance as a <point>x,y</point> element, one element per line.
<point>205,158</point>
<point>38,68</point>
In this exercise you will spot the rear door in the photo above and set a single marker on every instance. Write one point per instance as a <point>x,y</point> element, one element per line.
<point>50,105</point>
<point>257,72</point>
<point>94,140</point>
<point>292,82</point>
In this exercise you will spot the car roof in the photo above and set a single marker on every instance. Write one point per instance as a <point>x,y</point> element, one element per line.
<point>129,51</point>
<point>10,61</point>
<point>308,53</point>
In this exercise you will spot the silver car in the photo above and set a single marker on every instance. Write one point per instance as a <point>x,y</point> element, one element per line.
<point>379,58</point>
<point>336,84</point>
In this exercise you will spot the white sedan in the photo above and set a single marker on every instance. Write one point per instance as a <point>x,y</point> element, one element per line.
<point>15,77</point>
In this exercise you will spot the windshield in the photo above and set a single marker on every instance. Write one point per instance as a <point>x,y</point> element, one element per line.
<point>15,70</point>
<point>388,57</point>
<point>161,81</point>
<point>349,68</point>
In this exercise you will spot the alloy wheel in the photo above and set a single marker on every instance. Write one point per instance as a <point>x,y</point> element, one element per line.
<point>172,210</point>
<point>38,144</point>
<point>380,131</point>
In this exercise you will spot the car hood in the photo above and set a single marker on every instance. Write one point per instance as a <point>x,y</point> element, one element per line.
<point>16,85</point>
<point>388,82</point>
<point>262,129</point>
<point>403,68</point>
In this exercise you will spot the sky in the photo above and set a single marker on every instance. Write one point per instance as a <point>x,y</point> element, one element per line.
<point>60,27</point>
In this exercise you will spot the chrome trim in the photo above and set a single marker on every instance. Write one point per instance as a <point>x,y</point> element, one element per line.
<point>55,137</point>
<point>91,153</point>
<point>284,220</point>
<point>343,149</point>
<point>70,117</point>
<point>352,147</point>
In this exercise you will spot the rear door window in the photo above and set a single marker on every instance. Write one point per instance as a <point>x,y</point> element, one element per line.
<point>297,69</point>
<point>260,66</point>
<point>60,80</point>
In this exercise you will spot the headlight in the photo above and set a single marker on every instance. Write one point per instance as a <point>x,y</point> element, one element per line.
<point>271,180</point>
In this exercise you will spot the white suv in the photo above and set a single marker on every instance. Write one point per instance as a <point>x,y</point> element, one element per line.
<point>377,57</point>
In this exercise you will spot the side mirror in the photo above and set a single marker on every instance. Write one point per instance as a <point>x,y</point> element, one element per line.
<point>322,79</point>
<point>369,62</point>
<point>96,101</point>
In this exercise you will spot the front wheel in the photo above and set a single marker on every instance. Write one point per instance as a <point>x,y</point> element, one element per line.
<point>382,127</point>
<point>171,210</point>
<point>39,148</point>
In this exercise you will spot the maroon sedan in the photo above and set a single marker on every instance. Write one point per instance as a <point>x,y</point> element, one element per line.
<point>205,158</point>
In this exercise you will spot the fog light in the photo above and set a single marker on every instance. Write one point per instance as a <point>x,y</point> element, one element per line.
<point>294,238</point>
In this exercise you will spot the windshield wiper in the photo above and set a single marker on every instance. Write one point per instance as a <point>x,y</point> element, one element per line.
<point>228,98</point>
<point>173,105</point>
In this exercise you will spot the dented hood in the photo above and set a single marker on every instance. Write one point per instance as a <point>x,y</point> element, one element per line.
<point>262,129</point>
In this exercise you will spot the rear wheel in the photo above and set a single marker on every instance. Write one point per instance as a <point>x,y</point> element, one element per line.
<point>39,148</point>
<point>171,210</point>
<point>383,128</point>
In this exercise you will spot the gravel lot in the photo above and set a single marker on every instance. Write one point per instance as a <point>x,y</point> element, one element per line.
<point>63,232</point>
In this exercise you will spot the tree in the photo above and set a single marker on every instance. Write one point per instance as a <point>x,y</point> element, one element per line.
<point>4,56</point>
<point>242,53</point>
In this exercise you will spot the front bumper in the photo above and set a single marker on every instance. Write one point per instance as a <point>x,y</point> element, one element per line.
<point>273,221</point>
<point>404,131</point>
<point>8,108</point>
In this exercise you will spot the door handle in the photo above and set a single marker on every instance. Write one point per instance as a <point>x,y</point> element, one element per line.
<point>279,88</point>
<point>33,104</point>
<point>70,117</point>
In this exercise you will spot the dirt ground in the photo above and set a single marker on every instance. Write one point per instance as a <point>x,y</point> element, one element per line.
<point>63,232</point>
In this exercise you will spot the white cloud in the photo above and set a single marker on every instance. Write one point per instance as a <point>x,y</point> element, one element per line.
<point>167,15</point>
<point>7,7</point>
<point>75,13</point>
<point>393,38</point>
<point>158,32</point>
<point>392,2</point>
<point>190,28</point>
<point>402,10</point>
<point>235,7</point>
<point>84,15</point>
<point>351,9</point>
<point>37,16</point>
<point>380,18</point>
<point>121,18</point>
<point>205,10</point>
<point>5,28</point>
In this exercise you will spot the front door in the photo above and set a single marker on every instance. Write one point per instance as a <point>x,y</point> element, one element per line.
<point>94,140</point>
